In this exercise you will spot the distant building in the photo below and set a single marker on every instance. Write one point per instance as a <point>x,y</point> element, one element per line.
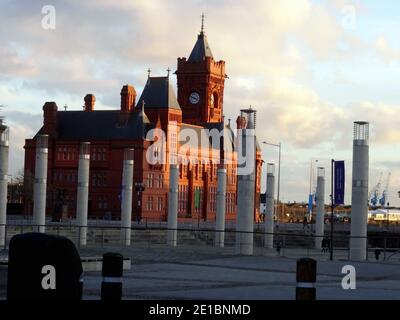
<point>197,107</point>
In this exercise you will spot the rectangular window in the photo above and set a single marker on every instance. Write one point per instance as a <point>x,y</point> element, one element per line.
<point>151,180</point>
<point>160,181</point>
<point>160,204</point>
<point>149,203</point>
<point>100,203</point>
<point>173,141</point>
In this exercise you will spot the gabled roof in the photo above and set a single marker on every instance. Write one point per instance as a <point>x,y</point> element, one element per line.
<point>201,49</point>
<point>101,125</point>
<point>158,93</point>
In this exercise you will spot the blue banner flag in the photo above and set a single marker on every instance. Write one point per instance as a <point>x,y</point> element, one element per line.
<point>310,202</point>
<point>339,181</point>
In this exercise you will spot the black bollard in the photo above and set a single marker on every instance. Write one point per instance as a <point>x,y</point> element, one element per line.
<point>111,286</point>
<point>43,267</point>
<point>306,276</point>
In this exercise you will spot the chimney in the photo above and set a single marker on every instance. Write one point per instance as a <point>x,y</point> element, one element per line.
<point>241,122</point>
<point>49,118</point>
<point>90,99</point>
<point>128,98</point>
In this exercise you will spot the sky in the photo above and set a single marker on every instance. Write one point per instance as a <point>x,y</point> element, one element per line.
<point>310,68</point>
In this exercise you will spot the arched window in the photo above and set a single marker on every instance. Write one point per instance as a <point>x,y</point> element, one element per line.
<point>214,100</point>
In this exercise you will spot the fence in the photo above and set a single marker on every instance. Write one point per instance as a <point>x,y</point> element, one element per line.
<point>152,233</point>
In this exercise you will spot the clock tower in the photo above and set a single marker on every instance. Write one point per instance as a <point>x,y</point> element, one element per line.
<point>201,84</point>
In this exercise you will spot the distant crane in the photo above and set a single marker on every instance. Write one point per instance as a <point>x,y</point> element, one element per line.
<point>385,194</point>
<point>374,195</point>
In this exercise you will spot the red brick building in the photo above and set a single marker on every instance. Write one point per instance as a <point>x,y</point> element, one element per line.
<point>197,109</point>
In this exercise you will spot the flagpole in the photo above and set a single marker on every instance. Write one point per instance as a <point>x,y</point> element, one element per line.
<point>332,204</point>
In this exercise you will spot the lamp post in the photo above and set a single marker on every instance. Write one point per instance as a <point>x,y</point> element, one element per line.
<point>139,187</point>
<point>279,146</point>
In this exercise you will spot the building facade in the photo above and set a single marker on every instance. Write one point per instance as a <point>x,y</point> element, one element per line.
<point>191,126</point>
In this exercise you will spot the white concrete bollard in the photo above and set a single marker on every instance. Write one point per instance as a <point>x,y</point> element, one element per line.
<point>220,217</point>
<point>4,150</point>
<point>173,205</point>
<point>269,207</point>
<point>320,200</point>
<point>359,199</point>
<point>246,183</point>
<point>83,192</point>
<point>40,186</point>
<point>126,204</point>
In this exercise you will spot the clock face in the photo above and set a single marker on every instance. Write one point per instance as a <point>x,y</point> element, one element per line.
<point>194,98</point>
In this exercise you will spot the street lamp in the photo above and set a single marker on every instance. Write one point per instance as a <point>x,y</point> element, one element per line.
<point>279,145</point>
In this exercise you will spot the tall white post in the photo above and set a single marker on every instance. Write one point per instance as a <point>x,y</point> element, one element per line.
<point>83,192</point>
<point>320,200</point>
<point>39,189</point>
<point>359,199</point>
<point>3,180</point>
<point>220,218</point>
<point>246,183</point>
<point>126,205</point>
<point>173,205</point>
<point>269,207</point>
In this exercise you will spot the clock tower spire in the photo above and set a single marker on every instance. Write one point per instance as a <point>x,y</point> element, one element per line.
<point>201,83</point>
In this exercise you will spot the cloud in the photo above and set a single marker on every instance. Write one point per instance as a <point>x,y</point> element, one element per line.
<point>22,126</point>
<point>385,51</point>
<point>384,121</point>
<point>93,39</point>
<point>272,51</point>
<point>12,63</point>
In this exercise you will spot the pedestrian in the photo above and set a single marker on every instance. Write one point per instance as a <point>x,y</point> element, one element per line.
<point>377,254</point>
<point>323,245</point>
<point>304,222</point>
<point>278,248</point>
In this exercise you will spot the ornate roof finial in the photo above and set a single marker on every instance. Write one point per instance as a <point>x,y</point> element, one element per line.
<point>202,23</point>
<point>148,73</point>
<point>65,108</point>
<point>168,71</point>
<point>143,103</point>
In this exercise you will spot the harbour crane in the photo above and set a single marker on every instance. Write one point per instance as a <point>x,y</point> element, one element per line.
<point>374,195</point>
<point>385,194</point>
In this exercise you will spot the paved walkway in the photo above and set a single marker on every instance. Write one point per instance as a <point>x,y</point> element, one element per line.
<point>160,272</point>
<point>201,273</point>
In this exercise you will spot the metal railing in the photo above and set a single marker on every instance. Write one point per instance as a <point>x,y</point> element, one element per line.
<point>148,234</point>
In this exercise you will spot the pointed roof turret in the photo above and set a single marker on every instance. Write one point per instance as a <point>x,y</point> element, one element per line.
<point>201,48</point>
<point>158,93</point>
<point>142,114</point>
